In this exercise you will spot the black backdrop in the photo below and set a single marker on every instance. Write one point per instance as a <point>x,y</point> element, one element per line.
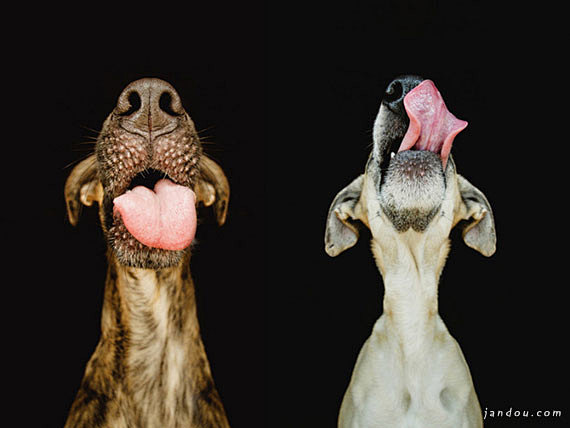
<point>228,262</point>
<point>495,70</point>
<point>287,96</point>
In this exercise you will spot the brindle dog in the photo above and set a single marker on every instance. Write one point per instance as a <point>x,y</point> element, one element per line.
<point>150,368</point>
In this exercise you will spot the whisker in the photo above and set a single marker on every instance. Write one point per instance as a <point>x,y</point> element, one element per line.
<point>211,145</point>
<point>83,146</point>
<point>199,132</point>
<point>205,139</point>
<point>87,128</point>
<point>76,161</point>
<point>84,143</point>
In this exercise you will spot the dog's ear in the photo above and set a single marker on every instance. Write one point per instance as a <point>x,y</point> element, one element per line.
<point>479,230</point>
<point>82,187</point>
<point>212,188</point>
<point>341,232</point>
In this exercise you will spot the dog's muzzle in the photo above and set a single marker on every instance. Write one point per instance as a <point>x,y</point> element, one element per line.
<point>414,164</point>
<point>148,154</point>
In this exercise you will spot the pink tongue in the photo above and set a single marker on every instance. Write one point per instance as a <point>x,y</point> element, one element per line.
<point>432,126</point>
<point>165,218</point>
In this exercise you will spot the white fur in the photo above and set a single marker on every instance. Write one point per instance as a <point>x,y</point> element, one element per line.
<point>410,372</point>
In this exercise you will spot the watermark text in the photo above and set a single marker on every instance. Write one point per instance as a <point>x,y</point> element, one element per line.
<point>520,413</point>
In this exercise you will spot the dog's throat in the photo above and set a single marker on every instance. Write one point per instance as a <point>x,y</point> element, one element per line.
<point>164,218</point>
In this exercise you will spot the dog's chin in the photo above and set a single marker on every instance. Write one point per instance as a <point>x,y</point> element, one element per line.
<point>412,189</point>
<point>132,253</point>
<point>127,249</point>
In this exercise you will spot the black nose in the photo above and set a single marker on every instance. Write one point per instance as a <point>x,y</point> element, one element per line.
<point>149,107</point>
<point>397,90</point>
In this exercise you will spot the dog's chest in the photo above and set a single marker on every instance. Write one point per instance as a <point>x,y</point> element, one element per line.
<point>161,383</point>
<point>390,389</point>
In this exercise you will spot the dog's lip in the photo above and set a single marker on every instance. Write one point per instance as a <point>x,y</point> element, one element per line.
<point>392,154</point>
<point>148,178</point>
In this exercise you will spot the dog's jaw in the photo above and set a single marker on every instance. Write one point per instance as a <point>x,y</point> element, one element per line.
<point>412,190</point>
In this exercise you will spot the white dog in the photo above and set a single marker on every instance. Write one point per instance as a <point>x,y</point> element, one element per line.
<point>411,372</point>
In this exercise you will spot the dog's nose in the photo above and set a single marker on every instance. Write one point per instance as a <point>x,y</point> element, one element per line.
<point>149,107</point>
<point>397,90</point>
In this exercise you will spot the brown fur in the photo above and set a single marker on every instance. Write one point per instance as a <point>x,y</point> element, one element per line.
<point>150,367</point>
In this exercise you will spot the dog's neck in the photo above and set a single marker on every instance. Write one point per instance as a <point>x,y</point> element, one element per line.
<point>150,315</point>
<point>410,307</point>
<point>155,306</point>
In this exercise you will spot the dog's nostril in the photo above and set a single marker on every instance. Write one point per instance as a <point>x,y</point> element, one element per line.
<point>165,103</point>
<point>149,105</point>
<point>134,104</point>
<point>397,90</point>
<point>394,92</point>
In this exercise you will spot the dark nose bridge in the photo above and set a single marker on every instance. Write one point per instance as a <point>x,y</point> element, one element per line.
<point>149,106</point>
<point>397,89</point>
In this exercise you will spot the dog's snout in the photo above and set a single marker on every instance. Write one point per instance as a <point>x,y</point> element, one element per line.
<point>397,90</point>
<point>149,106</point>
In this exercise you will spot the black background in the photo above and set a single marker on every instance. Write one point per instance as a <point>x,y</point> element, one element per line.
<point>494,69</point>
<point>228,262</point>
<point>287,96</point>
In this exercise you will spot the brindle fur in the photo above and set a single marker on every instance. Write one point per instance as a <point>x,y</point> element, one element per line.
<point>150,367</point>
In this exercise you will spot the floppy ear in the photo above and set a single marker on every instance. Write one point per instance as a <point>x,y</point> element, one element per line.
<point>212,187</point>
<point>82,187</point>
<point>479,232</point>
<point>341,233</point>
